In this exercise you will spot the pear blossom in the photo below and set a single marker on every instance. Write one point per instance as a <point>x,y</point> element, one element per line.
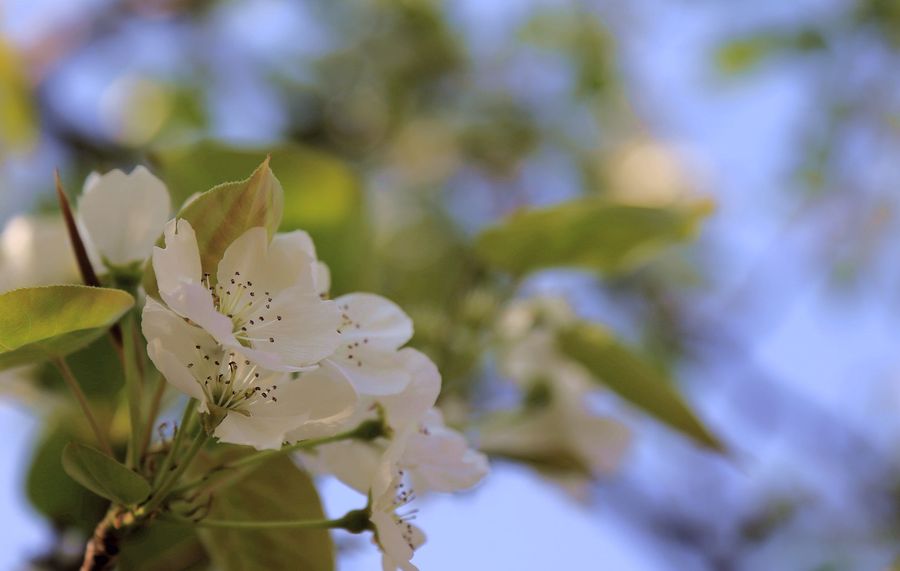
<point>264,300</point>
<point>394,534</point>
<point>557,419</point>
<point>372,330</point>
<point>122,215</point>
<point>249,404</point>
<point>435,457</point>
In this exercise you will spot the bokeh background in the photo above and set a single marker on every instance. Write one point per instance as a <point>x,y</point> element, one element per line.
<point>412,125</point>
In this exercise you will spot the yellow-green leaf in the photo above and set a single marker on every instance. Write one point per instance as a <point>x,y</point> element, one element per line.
<point>46,322</point>
<point>322,195</point>
<point>223,213</point>
<point>277,490</point>
<point>593,233</point>
<point>625,373</point>
<point>103,475</point>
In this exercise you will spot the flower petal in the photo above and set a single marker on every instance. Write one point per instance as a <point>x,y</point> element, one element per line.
<point>124,214</point>
<point>353,463</point>
<point>330,400</point>
<point>374,320</point>
<point>410,406</point>
<point>439,458</point>
<point>179,262</point>
<point>175,371</point>
<point>299,328</point>
<point>262,433</point>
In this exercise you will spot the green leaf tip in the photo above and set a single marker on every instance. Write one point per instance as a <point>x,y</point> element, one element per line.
<point>624,372</point>
<point>104,475</point>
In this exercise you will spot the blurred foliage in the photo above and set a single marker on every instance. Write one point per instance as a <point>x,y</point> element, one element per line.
<point>743,54</point>
<point>276,490</point>
<point>162,547</point>
<point>590,232</point>
<point>629,376</point>
<point>321,195</point>
<point>18,121</point>
<point>62,500</point>
<point>97,368</point>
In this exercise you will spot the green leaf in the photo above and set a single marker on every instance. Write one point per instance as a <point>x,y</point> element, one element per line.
<point>163,546</point>
<point>52,321</point>
<point>54,494</point>
<point>593,233</point>
<point>744,54</point>
<point>277,490</point>
<point>625,373</point>
<point>225,212</point>
<point>103,475</point>
<point>322,195</point>
<point>97,368</point>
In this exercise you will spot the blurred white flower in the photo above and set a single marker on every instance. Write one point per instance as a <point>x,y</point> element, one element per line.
<point>372,331</point>
<point>647,172</point>
<point>122,215</point>
<point>248,404</point>
<point>435,457</point>
<point>264,301</point>
<point>556,425</point>
<point>397,538</point>
<point>35,250</point>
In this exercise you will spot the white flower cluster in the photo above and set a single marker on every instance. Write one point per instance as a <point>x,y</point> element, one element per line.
<point>558,417</point>
<point>271,360</point>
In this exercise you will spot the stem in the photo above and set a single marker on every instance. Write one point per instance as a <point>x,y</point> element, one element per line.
<point>75,387</point>
<point>133,391</point>
<point>151,417</point>
<point>176,442</point>
<point>160,495</point>
<point>287,524</point>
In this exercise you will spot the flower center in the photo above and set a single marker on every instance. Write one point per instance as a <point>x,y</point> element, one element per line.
<point>230,382</point>
<point>250,311</point>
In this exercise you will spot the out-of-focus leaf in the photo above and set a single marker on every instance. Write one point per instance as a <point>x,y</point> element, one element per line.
<point>52,321</point>
<point>97,368</point>
<point>163,546</point>
<point>53,493</point>
<point>743,54</point>
<point>625,373</point>
<point>591,233</point>
<point>321,195</point>
<point>18,128</point>
<point>223,213</point>
<point>277,490</point>
<point>103,475</point>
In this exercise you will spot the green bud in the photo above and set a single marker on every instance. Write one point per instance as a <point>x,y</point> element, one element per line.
<point>356,521</point>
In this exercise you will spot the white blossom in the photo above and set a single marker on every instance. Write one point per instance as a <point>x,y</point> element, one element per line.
<point>122,215</point>
<point>435,457</point>
<point>252,405</point>
<point>372,331</point>
<point>561,422</point>
<point>263,300</point>
<point>395,535</point>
